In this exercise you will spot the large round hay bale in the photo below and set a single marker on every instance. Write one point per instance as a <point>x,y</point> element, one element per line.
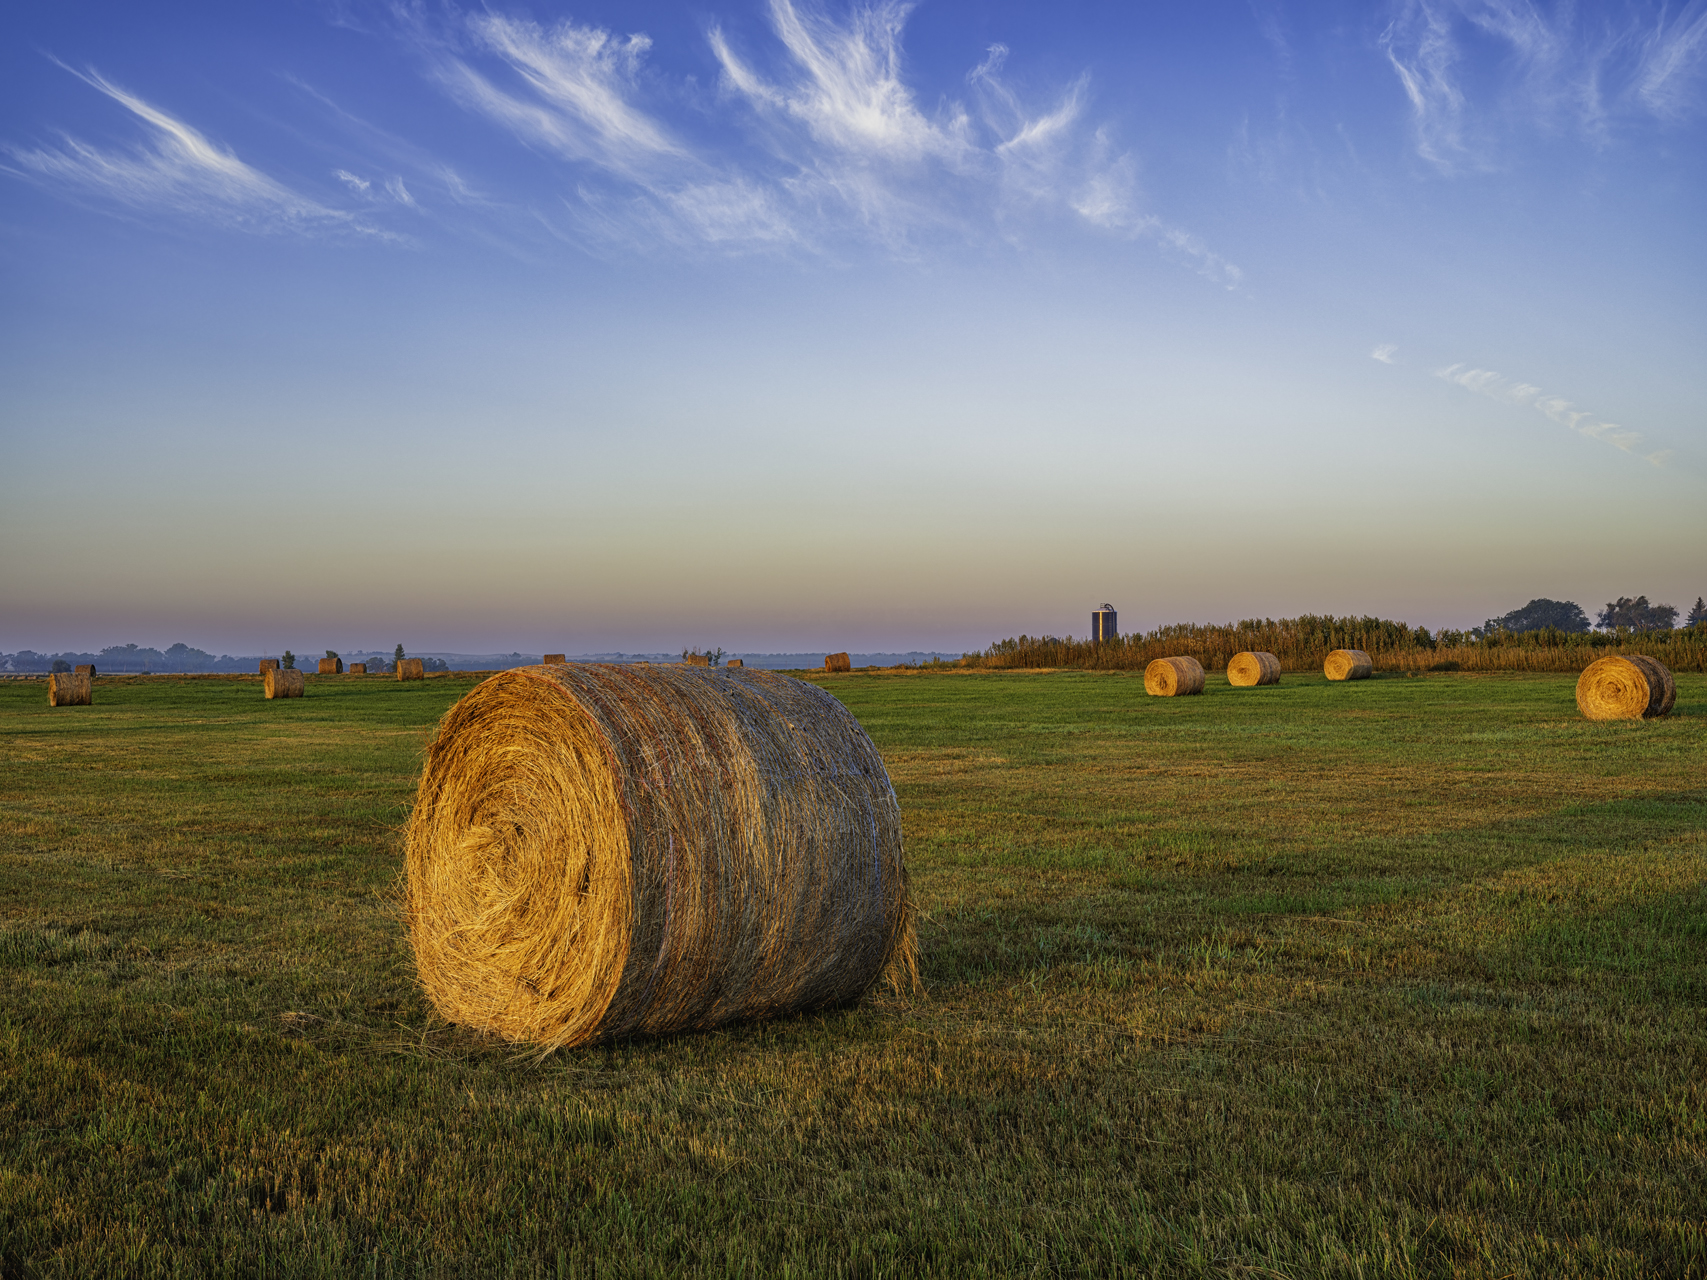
<point>1627,687</point>
<point>1173,677</point>
<point>1253,668</point>
<point>735,662</point>
<point>85,669</point>
<point>358,668</point>
<point>553,657</point>
<point>411,669</point>
<point>331,667</point>
<point>69,689</point>
<point>599,851</point>
<point>837,662</point>
<point>1348,664</point>
<point>269,664</point>
<point>284,682</point>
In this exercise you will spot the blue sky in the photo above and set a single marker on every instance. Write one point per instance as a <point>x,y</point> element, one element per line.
<point>782,326</point>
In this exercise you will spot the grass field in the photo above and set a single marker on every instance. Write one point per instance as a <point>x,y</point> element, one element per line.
<point>1404,977</point>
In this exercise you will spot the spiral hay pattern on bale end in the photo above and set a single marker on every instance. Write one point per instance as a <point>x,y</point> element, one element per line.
<point>1173,677</point>
<point>838,662</point>
<point>1251,668</point>
<point>603,851</point>
<point>1628,687</point>
<point>69,689</point>
<point>411,669</point>
<point>284,683</point>
<point>1348,664</point>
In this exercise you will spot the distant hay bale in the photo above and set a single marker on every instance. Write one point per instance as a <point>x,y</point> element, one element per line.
<point>1628,687</point>
<point>70,689</point>
<point>1348,664</point>
<point>269,664</point>
<point>1253,668</point>
<point>599,851</point>
<point>838,662</point>
<point>358,668</point>
<point>554,657</point>
<point>1173,677</point>
<point>331,667</point>
<point>698,659</point>
<point>284,682</point>
<point>411,669</point>
<point>85,669</point>
<point>734,662</point>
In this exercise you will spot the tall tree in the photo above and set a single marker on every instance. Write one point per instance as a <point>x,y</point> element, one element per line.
<point>1636,615</point>
<point>1540,615</point>
<point>1697,615</point>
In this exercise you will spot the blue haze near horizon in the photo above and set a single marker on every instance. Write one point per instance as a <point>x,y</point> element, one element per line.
<point>788,327</point>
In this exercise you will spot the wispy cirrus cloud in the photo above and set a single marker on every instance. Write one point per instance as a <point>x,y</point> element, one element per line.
<point>179,169</point>
<point>1385,353</point>
<point>1547,66</point>
<point>1486,382</point>
<point>823,136</point>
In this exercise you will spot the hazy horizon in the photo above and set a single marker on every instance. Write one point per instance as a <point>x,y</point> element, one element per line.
<point>782,326</point>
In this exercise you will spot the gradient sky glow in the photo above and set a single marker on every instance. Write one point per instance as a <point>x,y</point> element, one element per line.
<point>783,326</point>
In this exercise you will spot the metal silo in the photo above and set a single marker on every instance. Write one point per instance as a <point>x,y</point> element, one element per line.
<point>1103,624</point>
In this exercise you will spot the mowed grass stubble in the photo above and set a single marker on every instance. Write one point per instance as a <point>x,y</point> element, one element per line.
<point>1404,977</point>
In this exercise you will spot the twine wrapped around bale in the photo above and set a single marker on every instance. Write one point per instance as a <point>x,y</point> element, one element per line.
<point>603,851</point>
<point>85,669</point>
<point>1348,664</point>
<point>284,682</point>
<point>1173,677</point>
<point>269,664</point>
<point>554,657</point>
<point>1253,668</point>
<point>838,662</point>
<point>411,669</point>
<point>70,689</point>
<point>1627,687</point>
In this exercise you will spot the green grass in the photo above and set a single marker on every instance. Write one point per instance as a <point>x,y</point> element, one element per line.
<point>1406,977</point>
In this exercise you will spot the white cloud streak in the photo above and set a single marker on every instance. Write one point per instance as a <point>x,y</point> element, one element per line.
<point>1384,353</point>
<point>1485,382</point>
<point>181,170</point>
<point>834,139</point>
<point>1558,65</point>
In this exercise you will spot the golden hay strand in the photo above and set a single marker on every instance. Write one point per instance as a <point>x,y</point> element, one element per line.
<point>1628,687</point>
<point>284,683</point>
<point>411,669</point>
<point>1348,664</point>
<point>69,689</point>
<point>838,662</point>
<point>603,851</point>
<point>553,657</point>
<point>1253,668</point>
<point>1173,677</point>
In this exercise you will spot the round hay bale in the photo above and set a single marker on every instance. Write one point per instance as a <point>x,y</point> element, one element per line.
<point>85,669</point>
<point>1628,687</point>
<point>735,662</point>
<point>331,667</point>
<point>1348,664</point>
<point>554,657</point>
<point>838,662</point>
<point>599,851</point>
<point>358,668</point>
<point>1253,668</point>
<point>69,689</point>
<point>284,682</point>
<point>269,664</point>
<point>412,669</point>
<point>1173,677</point>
